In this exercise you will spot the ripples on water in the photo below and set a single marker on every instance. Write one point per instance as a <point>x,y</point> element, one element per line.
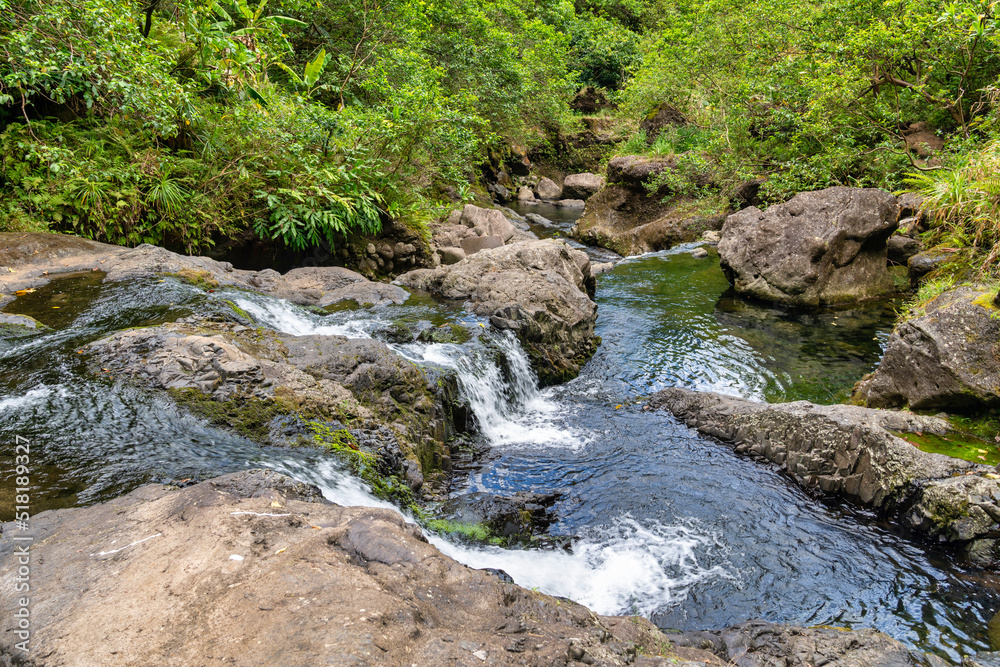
<point>665,523</point>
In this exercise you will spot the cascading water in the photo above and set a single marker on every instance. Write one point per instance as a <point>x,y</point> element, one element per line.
<point>662,521</point>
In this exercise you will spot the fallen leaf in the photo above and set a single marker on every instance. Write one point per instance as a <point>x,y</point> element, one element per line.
<point>617,406</point>
<point>281,550</point>
<point>275,503</point>
<point>22,292</point>
<point>981,451</point>
<point>55,306</point>
<point>990,475</point>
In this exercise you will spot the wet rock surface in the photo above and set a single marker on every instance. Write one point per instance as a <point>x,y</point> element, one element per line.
<point>851,452</point>
<point>818,248</point>
<point>253,568</point>
<point>323,378</point>
<point>36,258</point>
<point>945,359</point>
<point>763,644</point>
<point>537,289</point>
<point>582,185</point>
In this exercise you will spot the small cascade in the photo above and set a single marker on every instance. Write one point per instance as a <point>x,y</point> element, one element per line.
<point>505,398</point>
<point>627,567</point>
<point>288,318</point>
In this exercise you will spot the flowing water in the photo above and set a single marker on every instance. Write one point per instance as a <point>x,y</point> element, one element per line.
<point>662,522</point>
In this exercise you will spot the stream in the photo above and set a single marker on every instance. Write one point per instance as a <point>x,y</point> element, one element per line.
<point>663,522</point>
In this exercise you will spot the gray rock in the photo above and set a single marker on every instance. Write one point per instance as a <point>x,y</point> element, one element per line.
<point>823,247</point>
<point>389,597</point>
<point>524,193</point>
<point>923,263</point>
<point>699,253</point>
<point>902,248</point>
<point>637,170</point>
<point>538,289</point>
<point>488,222</point>
<point>852,452</point>
<point>474,244</point>
<point>602,267</point>
<point>764,644</point>
<point>990,659</point>
<point>582,186</point>
<point>366,294</point>
<point>536,219</point>
<point>943,360</point>
<point>502,193</point>
<point>571,203</point>
<point>9,321</point>
<point>547,189</point>
<point>451,255</point>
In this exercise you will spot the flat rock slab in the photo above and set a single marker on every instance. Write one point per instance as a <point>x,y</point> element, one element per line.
<point>254,568</point>
<point>31,260</point>
<point>851,452</point>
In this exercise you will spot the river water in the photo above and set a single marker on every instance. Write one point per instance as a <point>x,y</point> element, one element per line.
<point>662,521</point>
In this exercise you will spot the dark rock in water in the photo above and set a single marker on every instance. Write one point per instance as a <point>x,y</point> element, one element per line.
<point>923,263</point>
<point>902,248</point>
<point>538,289</point>
<point>514,518</point>
<point>852,452</point>
<point>582,186</point>
<point>178,576</point>
<point>536,219</point>
<point>818,248</point>
<point>945,359</point>
<point>474,244</point>
<point>659,118</point>
<point>247,374</point>
<point>763,644</point>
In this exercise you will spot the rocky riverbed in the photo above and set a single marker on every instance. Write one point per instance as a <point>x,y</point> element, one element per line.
<point>259,555</point>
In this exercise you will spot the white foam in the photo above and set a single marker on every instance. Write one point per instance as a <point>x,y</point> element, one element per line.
<point>510,411</point>
<point>32,397</point>
<point>288,318</point>
<point>623,568</point>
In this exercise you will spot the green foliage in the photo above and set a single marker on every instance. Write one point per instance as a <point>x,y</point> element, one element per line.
<point>964,202</point>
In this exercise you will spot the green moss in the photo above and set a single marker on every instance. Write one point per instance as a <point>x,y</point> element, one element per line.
<point>239,311</point>
<point>957,445</point>
<point>363,464</point>
<point>446,333</point>
<point>198,278</point>
<point>249,416</point>
<point>473,532</point>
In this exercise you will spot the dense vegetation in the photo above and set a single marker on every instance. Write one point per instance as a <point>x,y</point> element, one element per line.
<point>186,122</point>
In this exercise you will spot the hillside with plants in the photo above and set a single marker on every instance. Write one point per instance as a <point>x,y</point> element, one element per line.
<point>200,123</point>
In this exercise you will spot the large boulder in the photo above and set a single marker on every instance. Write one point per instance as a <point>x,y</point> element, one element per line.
<point>248,375</point>
<point>659,118</point>
<point>582,186</point>
<point>547,189</point>
<point>538,289</point>
<point>945,359</point>
<point>625,216</point>
<point>253,568</point>
<point>818,248</point>
<point>854,453</point>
